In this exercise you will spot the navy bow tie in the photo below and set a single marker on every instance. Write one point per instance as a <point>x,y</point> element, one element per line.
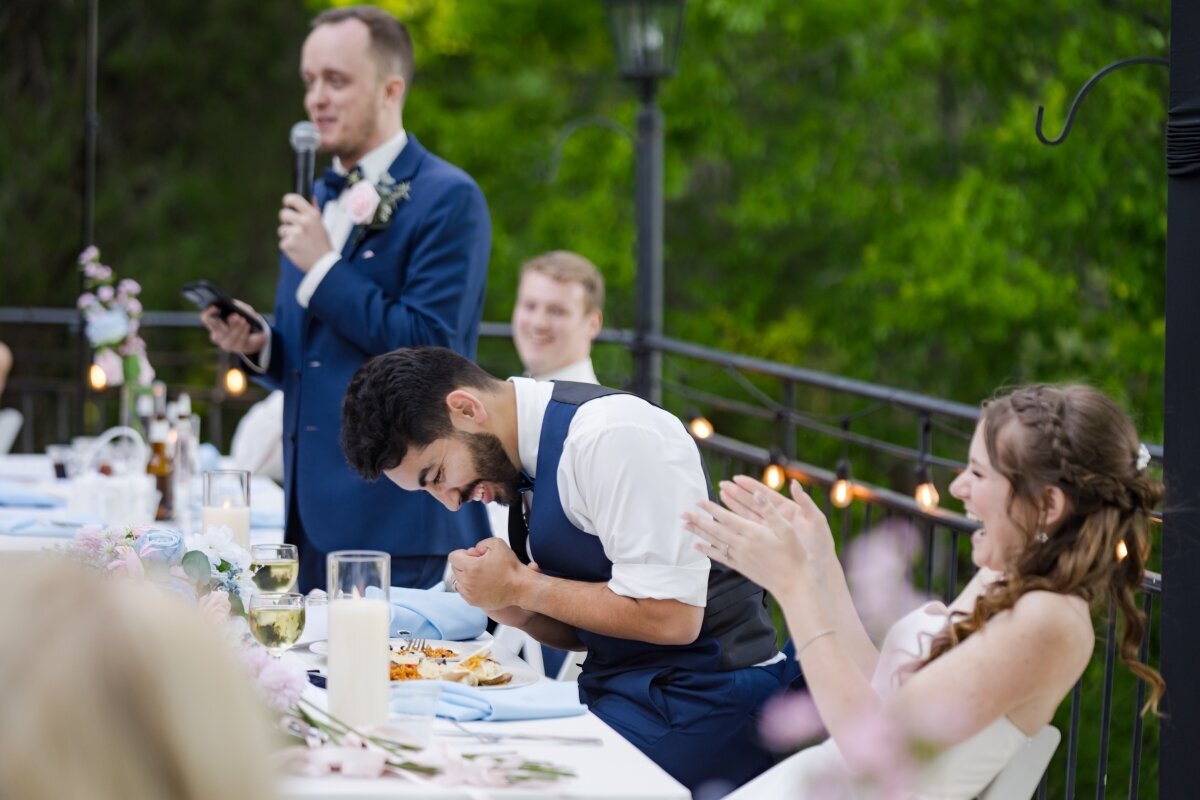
<point>335,182</point>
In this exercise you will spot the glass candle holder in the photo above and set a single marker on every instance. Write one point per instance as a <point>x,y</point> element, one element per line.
<point>359,620</point>
<point>226,501</point>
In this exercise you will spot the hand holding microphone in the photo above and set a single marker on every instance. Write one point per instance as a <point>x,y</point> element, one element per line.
<point>302,235</point>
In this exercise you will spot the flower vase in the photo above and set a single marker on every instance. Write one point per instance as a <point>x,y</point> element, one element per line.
<point>130,389</point>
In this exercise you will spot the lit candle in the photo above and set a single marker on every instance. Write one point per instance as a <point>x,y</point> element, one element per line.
<point>237,518</point>
<point>358,660</point>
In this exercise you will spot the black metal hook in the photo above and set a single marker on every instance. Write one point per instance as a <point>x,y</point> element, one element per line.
<point>1086,88</point>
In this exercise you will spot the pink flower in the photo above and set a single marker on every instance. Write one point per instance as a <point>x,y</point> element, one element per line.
<point>110,364</point>
<point>281,682</point>
<point>90,538</point>
<point>361,202</point>
<point>215,606</point>
<point>86,300</point>
<point>97,272</point>
<point>105,293</point>
<point>127,562</point>
<point>876,569</point>
<point>877,748</point>
<point>129,286</point>
<point>91,253</point>
<point>789,720</point>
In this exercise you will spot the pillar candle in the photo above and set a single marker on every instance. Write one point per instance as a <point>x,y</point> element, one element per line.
<point>358,660</point>
<point>236,517</point>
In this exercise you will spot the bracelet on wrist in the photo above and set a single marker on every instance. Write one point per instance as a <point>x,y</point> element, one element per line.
<point>812,639</point>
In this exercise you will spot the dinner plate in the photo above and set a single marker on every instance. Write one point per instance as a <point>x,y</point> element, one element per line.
<point>522,673</point>
<point>321,647</point>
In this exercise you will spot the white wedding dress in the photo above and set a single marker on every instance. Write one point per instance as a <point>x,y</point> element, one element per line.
<point>959,773</point>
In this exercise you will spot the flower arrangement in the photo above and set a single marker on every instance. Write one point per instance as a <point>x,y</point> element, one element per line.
<point>372,207</point>
<point>207,567</point>
<point>330,745</point>
<point>112,314</point>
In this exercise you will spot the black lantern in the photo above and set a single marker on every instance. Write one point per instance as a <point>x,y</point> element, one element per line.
<point>647,35</point>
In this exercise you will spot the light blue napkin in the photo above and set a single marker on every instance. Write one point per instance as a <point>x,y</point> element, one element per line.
<point>541,700</point>
<point>29,526</point>
<point>266,519</point>
<point>433,614</point>
<point>14,494</point>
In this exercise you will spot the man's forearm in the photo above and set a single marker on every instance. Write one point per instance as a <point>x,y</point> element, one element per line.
<point>594,607</point>
<point>545,630</point>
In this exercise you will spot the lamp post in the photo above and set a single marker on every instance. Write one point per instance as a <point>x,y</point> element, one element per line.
<point>647,35</point>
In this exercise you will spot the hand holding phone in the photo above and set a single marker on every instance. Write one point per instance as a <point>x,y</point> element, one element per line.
<point>205,294</point>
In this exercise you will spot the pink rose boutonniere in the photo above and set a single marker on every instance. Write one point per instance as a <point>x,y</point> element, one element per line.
<point>371,207</point>
<point>361,202</point>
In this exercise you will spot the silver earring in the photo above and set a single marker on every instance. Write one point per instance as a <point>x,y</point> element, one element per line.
<point>1041,537</point>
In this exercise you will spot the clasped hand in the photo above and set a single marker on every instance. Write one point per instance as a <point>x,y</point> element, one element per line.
<point>488,575</point>
<point>770,539</point>
<point>302,235</point>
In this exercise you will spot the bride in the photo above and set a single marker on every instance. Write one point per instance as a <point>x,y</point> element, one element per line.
<point>1057,478</point>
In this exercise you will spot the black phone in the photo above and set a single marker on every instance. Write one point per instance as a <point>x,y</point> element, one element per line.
<point>205,294</point>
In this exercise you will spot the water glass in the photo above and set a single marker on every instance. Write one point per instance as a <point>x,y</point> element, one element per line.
<point>412,707</point>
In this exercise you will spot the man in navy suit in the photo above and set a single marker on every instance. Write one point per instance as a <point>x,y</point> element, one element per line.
<point>392,253</point>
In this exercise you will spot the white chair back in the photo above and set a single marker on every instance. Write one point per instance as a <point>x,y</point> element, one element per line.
<point>10,426</point>
<point>1020,777</point>
<point>530,650</point>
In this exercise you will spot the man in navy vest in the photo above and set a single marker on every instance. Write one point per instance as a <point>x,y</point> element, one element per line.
<point>681,652</point>
<point>393,253</point>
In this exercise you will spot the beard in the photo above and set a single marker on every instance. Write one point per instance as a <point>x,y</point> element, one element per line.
<point>491,464</point>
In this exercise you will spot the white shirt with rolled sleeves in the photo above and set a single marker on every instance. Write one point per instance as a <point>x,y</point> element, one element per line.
<point>627,473</point>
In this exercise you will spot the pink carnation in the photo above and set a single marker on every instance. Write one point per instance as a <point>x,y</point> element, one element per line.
<point>361,202</point>
<point>215,606</point>
<point>110,364</point>
<point>91,253</point>
<point>85,301</point>
<point>105,293</point>
<point>128,562</point>
<point>281,682</point>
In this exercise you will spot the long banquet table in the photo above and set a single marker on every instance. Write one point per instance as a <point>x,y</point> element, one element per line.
<point>613,769</point>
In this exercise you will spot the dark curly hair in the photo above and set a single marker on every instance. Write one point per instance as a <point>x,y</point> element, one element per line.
<point>398,400</point>
<point>1077,439</point>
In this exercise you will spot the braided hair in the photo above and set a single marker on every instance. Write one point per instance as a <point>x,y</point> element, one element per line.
<point>1077,439</point>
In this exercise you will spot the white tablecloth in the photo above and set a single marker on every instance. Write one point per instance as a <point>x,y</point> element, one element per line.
<point>35,472</point>
<point>614,769</point>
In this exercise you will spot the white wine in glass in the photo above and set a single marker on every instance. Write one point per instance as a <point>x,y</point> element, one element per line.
<point>275,567</point>
<point>276,620</point>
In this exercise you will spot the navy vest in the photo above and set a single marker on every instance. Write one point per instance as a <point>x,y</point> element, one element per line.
<point>737,630</point>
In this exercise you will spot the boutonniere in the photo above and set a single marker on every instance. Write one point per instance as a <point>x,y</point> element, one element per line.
<point>372,207</point>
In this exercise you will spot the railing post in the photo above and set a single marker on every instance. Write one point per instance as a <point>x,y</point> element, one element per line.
<point>1180,632</point>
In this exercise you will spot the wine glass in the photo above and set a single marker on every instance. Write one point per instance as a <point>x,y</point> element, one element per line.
<point>277,620</point>
<point>275,567</point>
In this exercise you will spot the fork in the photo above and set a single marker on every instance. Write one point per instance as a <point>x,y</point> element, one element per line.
<point>416,646</point>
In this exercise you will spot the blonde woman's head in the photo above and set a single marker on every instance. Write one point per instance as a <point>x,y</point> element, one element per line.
<point>117,689</point>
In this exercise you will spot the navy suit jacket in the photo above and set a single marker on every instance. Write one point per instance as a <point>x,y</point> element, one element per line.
<point>419,281</point>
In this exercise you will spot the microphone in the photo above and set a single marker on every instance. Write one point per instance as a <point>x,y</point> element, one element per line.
<point>305,138</point>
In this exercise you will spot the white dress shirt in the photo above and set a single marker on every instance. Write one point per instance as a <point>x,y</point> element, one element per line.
<point>580,372</point>
<point>627,473</point>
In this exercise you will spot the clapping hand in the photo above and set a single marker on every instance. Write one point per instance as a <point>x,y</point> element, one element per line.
<point>763,535</point>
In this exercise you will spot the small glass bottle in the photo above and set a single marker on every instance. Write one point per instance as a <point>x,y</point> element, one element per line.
<point>162,467</point>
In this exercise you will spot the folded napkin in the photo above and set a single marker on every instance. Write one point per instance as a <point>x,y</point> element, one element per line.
<point>541,700</point>
<point>55,527</point>
<point>266,519</point>
<point>433,614</point>
<point>14,494</point>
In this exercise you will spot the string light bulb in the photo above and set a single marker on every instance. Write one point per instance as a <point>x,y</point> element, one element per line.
<point>235,381</point>
<point>96,378</point>
<point>926,494</point>
<point>774,476</point>
<point>842,492</point>
<point>700,426</point>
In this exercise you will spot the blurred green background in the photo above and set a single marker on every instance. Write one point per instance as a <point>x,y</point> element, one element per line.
<point>852,185</point>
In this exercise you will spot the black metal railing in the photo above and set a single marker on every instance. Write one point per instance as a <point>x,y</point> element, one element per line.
<point>764,413</point>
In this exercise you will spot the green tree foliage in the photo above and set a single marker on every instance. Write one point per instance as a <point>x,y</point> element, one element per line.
<point>852,186</point>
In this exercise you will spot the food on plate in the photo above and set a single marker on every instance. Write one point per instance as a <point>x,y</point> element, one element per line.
<point>475,671</point>
<point>429,651</point>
